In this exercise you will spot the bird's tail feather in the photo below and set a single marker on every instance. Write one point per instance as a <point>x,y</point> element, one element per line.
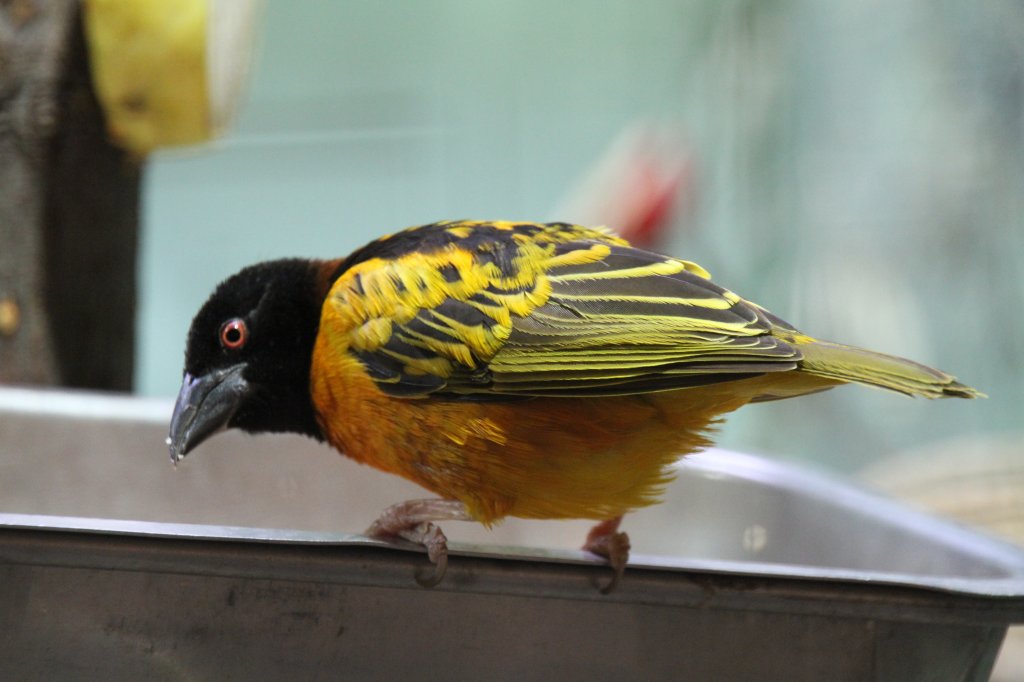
<point>847,363</point>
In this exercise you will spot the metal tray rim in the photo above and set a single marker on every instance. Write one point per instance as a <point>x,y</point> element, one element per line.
<point>1009,587</point>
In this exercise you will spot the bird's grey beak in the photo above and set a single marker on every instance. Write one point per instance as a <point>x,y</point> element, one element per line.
<point>205,406</point>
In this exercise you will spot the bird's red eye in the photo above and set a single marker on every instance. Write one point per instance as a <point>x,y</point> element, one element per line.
<point>234,334</point>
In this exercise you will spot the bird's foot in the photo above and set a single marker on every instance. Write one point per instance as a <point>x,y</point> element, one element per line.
<point>607,542</point>
<point>413,521</point>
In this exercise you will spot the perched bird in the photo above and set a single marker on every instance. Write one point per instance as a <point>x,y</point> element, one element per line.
<point>514,369</point>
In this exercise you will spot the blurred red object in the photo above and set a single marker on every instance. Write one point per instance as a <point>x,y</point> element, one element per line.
<point>641,184</point>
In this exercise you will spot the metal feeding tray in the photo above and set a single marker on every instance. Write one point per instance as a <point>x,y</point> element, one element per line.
<point>752,569</point>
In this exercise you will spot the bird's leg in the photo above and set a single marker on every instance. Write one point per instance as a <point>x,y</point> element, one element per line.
<point>413,520</point>
<point>606,541</point>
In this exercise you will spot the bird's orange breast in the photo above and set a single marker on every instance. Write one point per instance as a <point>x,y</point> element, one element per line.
<point>536,458</point>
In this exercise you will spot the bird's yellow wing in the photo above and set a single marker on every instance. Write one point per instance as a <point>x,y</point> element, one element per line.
<point>499,310</point>
<point>635,322</point>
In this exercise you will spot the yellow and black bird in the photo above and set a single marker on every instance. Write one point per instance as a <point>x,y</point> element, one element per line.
<point>513,369</point>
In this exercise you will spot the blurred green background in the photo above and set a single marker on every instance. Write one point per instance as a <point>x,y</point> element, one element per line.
<point>858,169</point>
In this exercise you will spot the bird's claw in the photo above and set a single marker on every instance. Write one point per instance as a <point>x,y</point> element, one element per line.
<point>427,535</point>
<point>606,541</point>
<point>617,556</point>
<point>409,521</point>
<point>436,545</point>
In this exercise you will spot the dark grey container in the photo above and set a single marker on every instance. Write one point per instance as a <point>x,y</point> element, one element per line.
<point>763,572</point>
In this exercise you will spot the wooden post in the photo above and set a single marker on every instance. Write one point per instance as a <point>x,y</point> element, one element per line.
<point>68,210</point>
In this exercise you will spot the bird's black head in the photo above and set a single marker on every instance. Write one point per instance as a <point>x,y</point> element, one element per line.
<point>248,356</point>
